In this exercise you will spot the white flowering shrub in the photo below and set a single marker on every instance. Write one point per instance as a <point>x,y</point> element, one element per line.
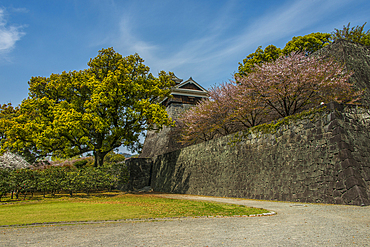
<point>13,161</point>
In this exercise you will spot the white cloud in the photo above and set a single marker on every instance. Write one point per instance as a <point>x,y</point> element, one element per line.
<point>285,21</point>
<point>209,56</point>
<point>9,34</point>
<point>130,43</point>
<point>211,52</point>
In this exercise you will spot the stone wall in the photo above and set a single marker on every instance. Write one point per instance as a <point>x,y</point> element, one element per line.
<point>324,157</point>
<point>356,58</point>
<point>140,171</point>
<point>164,141</point>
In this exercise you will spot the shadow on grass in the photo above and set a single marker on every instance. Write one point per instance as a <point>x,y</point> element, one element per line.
<point>38,196</point>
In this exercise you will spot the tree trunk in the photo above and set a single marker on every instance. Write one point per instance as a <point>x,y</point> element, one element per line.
<point>99,158</point>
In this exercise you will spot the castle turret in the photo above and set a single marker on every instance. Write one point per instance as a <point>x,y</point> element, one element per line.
<point>184,95</point>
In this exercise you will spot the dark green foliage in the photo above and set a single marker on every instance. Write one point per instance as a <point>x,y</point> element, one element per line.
<point>80,163</point>
<point>354,34</point>
<point>54,179</point>
<point>114,158</point>
<point>4,182</point>
<point>308,43</point>
<point>270,53</point>
<point>23,181</point>
<point>50,179</point>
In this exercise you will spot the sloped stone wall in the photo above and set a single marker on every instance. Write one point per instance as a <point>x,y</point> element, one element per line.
<point>320,158</point>
<point>356,58</point>
<point>164,141</point>
<point>140,172</point>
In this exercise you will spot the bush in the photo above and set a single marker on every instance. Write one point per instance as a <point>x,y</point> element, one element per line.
<point>80,163</point>
<point>23,181</point>
<point>4,182</point>
<point>53,179</point>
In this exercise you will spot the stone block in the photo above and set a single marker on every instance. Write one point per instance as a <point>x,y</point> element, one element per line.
<point>356,196</point>
<point>352,181</point>
<point>366,173</point>
<point>359,201</point>
<point>313,186</point>
<point>318,137</point>
<point>351,171</point>
<point>308,125</point>
<point>338,200</point>
<point>318,124</point>
<point>339,185</point>
<point>344,145</point>
<point>349,163</point>
<point>350,195</point>
<point>328,199</point>
<point>331,116</point>
<point>331,126</point>
<point>338,130</point>
<point>335,139</point>
<point>338,193</point>
<point>335,106</point>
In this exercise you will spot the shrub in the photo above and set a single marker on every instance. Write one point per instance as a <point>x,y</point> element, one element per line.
<point>80,163</point>
<point>4,182</point>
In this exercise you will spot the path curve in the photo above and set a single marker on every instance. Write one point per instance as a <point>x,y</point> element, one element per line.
<point>296,224</point>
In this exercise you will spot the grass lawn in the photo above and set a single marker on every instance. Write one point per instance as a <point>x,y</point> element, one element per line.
<point>109,206</point>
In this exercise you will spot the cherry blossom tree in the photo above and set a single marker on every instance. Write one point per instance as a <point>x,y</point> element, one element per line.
<point>12,161</point>
<point>283,87</point>
<point>296,82</point>
<point>209,118</point>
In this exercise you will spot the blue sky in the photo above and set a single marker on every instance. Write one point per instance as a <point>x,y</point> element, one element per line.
<point>204,39</point>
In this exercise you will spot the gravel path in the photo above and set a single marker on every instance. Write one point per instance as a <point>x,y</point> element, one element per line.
<point>295,224</point>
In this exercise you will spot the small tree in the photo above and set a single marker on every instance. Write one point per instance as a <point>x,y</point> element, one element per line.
<point>71,181</point>
<point>5,185</point>
<point>195,123</point>
<point>50,179</point>
<point>297,82</point>
<point>23,181</point>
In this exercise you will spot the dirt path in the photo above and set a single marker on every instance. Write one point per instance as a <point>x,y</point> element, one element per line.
<point>295,224</point>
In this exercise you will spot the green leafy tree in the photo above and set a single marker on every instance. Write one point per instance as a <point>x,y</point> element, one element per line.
<point>308,43</point>
<point>72,181</point>
<point>354,34</point>
<point>51,179</point>
<point>22,181</point>
<point>98,109</point>
<point>92,179</point>
<point>7,112</point>
<point>260,56</point>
